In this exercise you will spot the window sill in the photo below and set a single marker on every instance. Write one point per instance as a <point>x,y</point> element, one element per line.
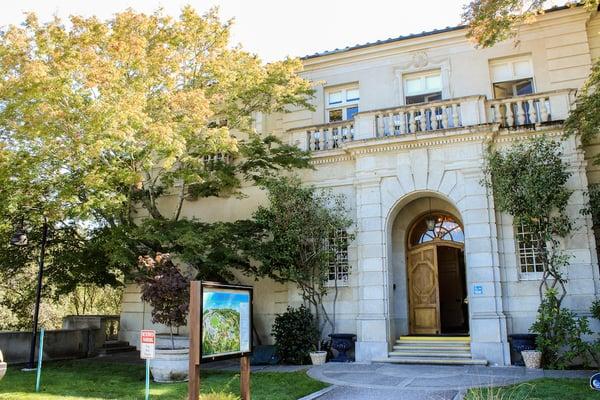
<point>340,284</point>
<point>530,276</point>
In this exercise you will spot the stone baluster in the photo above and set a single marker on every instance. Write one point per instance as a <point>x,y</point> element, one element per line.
<point>510,119</point>
<point>532,112</point>
<point>494,116</point>
<point>402,127</point>
<point>311,140</point>
<point>332,135</point>
<point>434,121</point>
<point>455,119</point>
<point>413,122</point>
<point>520,113</point>
<point>392,127</point>
<point>543,110</point>
<point>423,119</point>
<point>380,125</point>
<point>445,117</point>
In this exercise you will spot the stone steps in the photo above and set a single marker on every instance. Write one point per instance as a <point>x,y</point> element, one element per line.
<point>112,347</point>
<point>439,350</point>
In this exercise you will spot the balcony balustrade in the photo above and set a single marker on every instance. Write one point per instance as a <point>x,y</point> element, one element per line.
<point>459,113</point>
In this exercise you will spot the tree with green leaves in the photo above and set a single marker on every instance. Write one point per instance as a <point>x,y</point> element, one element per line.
<point>529,182</point>
<point>105,124</point>
<point>296,240</point>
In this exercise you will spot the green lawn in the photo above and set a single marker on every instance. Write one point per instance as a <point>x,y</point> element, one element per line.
<point>85,379</point>
<point>541,389</point>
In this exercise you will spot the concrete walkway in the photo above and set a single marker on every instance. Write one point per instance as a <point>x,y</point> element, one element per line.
<point>420,382</point>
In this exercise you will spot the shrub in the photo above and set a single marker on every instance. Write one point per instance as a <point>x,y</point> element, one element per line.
<point>296,335</point>
<point>166,289</point>
<point>560,333</point>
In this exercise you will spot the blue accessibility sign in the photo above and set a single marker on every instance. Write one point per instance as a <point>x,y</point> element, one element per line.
<point>595,382</point>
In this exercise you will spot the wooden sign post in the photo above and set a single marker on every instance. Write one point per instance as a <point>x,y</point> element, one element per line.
<point>195,334</point>
<point>239,303</point>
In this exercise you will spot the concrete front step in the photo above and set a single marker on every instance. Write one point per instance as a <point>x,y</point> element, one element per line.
<point>431,360</point>
<point>439,354</point>
<point>433,345</point>
<point>462,339</point>
<point>417,348</point>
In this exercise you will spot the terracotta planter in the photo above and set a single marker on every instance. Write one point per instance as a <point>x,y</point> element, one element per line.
<point>2,366</point>
<point>532,359</point>
<point>318,357</point>
<point>170,365</point>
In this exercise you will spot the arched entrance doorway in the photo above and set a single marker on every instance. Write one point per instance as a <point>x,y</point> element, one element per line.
<point>436,276</point>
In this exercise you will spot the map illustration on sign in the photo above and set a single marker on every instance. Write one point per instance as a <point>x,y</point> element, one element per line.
<point>225,321</point>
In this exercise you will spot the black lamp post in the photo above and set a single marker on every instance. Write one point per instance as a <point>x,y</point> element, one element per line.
<point>20,239</point>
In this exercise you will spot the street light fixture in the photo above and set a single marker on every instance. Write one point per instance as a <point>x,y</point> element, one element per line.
<point>19,239</point>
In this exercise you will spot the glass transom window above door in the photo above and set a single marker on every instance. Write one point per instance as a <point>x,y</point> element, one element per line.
<point>512,77</point>
<point>423,87</point>
<point>341,103</point>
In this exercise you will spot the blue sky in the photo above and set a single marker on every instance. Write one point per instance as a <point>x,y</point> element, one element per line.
<point>224,300</point>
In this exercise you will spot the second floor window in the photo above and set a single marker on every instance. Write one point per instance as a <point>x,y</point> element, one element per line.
<point>341,104</point>
<point>512,77</point>
<point>423,87</point>
<point>530,260</point>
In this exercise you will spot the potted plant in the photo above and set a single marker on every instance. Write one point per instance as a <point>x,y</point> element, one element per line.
<point>167,291</point>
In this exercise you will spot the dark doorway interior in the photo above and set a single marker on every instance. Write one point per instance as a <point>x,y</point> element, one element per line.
<point>454,313</point>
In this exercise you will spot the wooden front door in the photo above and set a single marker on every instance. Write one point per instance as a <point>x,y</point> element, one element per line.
<point>424,294</point>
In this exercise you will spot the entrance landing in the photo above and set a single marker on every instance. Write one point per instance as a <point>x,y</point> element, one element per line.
<point>437,350</point>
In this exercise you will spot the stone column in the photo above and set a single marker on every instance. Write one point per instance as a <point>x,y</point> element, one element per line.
<point>372,321</point>
<point>487,320</point>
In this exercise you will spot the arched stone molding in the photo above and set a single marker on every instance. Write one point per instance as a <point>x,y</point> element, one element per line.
<point>404,214</point>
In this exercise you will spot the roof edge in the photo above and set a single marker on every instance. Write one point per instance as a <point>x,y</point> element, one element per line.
<point>411,36</point>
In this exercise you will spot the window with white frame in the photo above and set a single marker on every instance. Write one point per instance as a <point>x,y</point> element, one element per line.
<point>423,87</point>
<point>341,103</point>
<point>528,247</point>
<point>338,264</point>
<point>512,77</point>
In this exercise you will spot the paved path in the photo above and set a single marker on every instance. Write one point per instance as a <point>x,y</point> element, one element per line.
<point>419,382</point>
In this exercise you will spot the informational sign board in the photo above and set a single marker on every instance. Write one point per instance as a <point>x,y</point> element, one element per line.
<point>147,344</point>
<point>226,318</point>
<point>220,322</point>
<point>477,289</point>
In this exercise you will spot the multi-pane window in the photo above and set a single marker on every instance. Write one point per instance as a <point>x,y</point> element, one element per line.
<point>216,157</point>
<point>423,87</point>
<point>512,77</point>
<point>338,265</point>
<point>341,103</point>
<point>528,250</point>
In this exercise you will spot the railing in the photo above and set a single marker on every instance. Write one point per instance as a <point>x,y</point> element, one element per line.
<point>521,111</point>
<point>330,136</point>
<point>418,118</point>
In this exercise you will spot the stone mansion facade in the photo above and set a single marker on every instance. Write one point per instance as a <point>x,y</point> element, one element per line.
<point>400,128</point>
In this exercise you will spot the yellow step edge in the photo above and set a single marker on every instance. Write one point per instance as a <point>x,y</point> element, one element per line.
<point>464,339</point>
